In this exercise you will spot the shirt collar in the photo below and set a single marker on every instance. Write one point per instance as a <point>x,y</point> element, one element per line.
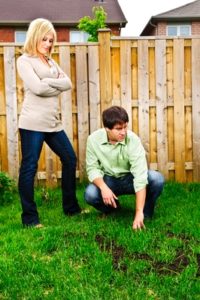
<point>104,139</point>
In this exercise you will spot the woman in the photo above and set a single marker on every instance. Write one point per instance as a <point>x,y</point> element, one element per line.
<point>39,119</point>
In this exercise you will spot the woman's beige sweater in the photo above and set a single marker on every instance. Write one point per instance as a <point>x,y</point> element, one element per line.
<point>42,85</point>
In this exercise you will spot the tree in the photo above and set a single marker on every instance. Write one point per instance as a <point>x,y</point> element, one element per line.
<point>91,26</point>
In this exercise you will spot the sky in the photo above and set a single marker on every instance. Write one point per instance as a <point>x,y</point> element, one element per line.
<point>138,12</point>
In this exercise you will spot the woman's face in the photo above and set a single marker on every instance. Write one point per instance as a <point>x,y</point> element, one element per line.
<point>45,44</point>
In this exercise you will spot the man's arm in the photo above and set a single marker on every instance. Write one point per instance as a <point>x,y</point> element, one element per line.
<point>95,174</point>
<point>139,170</point>
<point>138,221</point>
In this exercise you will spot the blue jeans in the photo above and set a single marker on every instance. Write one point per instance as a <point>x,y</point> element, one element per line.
<point>124,186</point>
<point>31,146</point>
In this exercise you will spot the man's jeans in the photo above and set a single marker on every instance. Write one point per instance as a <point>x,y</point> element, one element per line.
<point>31,146</point>
<point>124,186</point>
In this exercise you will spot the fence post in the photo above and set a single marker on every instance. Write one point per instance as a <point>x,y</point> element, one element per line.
<point>105,68</point>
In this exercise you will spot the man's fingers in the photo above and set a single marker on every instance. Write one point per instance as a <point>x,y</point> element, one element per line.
<point>138,226</point>
<point>115,196</point>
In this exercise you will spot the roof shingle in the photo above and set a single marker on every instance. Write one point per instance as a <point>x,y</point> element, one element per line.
<point>57,11</point>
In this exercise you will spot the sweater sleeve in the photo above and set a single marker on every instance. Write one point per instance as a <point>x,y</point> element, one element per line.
<point>62,84</point>
<point>32,81</point>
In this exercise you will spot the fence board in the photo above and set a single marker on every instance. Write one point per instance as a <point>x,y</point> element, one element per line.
<point>82,102</point>
<point>196,107</point>
<point>179,118</point>
<point>115,72</point>
<point>105,68</point>
<point>66,97</point>
<point>125,67</point>
<point>94,88</point>
<point>11,110</point>
<point>161,105</point>
<point>143,93</point>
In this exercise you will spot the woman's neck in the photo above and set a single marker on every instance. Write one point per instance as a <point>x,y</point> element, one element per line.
<point>44,59</point>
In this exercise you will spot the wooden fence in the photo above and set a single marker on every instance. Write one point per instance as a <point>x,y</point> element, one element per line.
<point>157,80</point>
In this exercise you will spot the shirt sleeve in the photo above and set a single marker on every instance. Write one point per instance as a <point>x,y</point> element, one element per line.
<point>138,165</point>
<point>33,82</point>
<point>93,167</point>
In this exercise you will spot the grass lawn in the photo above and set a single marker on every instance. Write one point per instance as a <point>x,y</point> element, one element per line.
<point>91,257</point>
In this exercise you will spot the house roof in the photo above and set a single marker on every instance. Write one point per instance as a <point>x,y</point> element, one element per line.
<point>60,12</point>
<point>187,12</point>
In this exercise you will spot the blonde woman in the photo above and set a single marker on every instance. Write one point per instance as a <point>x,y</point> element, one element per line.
<point>39,120</point>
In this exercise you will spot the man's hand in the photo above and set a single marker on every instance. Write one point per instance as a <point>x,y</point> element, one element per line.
<point>108,197</point>
<point>138,222</point>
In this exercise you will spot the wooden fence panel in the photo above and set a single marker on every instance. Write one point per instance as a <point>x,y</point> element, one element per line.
<point>156,80</point>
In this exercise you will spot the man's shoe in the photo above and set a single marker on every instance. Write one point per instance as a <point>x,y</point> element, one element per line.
<point>73,213</point>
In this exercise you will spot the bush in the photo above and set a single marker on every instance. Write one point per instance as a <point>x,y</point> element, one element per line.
<point>91,26</point>
<point>7,188</point>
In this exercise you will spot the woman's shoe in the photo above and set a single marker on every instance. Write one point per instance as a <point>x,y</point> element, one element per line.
<point>39,225</point>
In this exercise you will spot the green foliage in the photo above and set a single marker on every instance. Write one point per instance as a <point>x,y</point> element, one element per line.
<point>91,26</point>
<point>7,188</point>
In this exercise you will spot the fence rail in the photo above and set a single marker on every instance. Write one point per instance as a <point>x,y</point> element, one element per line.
<point>156,79</point>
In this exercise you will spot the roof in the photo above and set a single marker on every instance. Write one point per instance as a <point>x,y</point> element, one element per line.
<point>187,12</point>
<point>62,12</point>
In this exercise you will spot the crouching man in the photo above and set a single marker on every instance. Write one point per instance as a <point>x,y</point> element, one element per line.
<point>116,165</point>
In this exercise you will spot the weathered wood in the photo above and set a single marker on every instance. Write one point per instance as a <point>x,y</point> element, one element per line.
<point>94,88</point>
<point>161,106</point>
<point>66,98</point>
<point>115,73</point>
<point>82,103</point>
<point>155,79</point>
<point>125,67</point>
<point>196,107</point>
<point>179,118</point>
<point>143,93</point>
<point>11,111</point>
<point>105,68</point>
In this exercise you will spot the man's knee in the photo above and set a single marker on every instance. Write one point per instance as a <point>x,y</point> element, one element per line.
<point>156,179</point>
<point>91,193</point>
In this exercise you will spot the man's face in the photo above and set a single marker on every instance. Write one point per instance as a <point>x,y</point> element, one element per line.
<point>117,133</point>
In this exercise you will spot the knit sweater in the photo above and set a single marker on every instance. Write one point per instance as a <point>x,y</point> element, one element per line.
<point>42,86</point>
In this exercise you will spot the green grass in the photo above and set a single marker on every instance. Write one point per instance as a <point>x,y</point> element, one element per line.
<point>90,257</point>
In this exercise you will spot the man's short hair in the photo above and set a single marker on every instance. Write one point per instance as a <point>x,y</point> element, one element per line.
<point>114,115</point>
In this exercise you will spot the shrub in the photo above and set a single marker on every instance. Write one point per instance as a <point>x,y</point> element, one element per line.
<point>91,26</point>
<point>7,188</point>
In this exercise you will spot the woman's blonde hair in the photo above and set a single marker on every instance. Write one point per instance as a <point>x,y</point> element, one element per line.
<point>37,30</point>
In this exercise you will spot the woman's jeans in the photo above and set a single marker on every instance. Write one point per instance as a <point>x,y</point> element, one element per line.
<point>124,186</point>
<point>31,146</point>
